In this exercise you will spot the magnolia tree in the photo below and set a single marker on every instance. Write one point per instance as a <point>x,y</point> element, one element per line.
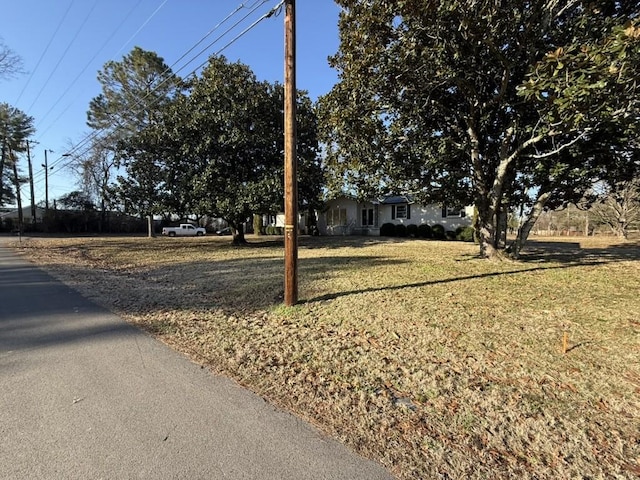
<point>217,150</point>
<point>499,104</point>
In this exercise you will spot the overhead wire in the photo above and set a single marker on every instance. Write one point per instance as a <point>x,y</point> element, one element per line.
<point>84,69</point>
<point>64,54</point>
<point>44,52</point>
<point>244,32</point>
<point>142,26</point>
<point>91,60</point>
<point>85,144</point>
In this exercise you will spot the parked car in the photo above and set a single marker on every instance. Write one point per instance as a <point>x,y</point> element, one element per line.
<point>224,231</point>
<point>184,230</point>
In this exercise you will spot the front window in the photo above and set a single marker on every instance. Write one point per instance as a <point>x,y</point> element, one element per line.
<point>401,211</point>
<point>368,218</point>
<point>454,212</point>
<point>337,217</point>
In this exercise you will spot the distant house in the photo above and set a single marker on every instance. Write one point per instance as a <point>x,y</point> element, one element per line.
<point>348,216</point>
<point>12,214</point>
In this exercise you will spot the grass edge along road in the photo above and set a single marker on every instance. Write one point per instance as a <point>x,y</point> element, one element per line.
<point>415,353</point>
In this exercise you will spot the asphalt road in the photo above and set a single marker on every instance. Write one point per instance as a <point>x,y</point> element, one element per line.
<point>84,395</point>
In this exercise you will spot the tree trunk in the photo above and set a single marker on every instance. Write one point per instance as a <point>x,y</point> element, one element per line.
<point>257,224</point>
<point>238,234</point>
<point>525,228</point>
<point>486,234</point>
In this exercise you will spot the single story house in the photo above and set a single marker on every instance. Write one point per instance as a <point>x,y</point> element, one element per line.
<point>13,214</point>
<point>347,216</point>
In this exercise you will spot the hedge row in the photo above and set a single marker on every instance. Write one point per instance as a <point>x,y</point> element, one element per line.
<point>436,232</point>
<point>271,230</point>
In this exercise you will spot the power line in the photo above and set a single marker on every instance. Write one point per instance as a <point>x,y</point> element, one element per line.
<point>141,27</point>
<point>84,145</point>
<point>46,49</point>
<point>75,80</point>
<point>64,54</point>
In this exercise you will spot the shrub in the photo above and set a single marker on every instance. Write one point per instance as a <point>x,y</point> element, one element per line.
<point>438,232</point>
<point>279,231</point>
<point>464,234</point>
<point>401,230</point>
<point>450,235</point>
<point>270,230</point>
<point>387,230</point>
<point>424,231</point>
<point>412,230</point>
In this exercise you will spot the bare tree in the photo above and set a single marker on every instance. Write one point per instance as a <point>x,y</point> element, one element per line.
<point>620,208</point>
<point>95,169</point>
<point>10,62</point>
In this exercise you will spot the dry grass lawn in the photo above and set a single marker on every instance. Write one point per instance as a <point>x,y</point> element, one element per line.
<point>415,353</point>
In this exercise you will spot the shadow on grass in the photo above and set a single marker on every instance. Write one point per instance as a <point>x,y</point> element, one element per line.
<point>567,254</point>
<point>572,252</point>
<point>333,296</point>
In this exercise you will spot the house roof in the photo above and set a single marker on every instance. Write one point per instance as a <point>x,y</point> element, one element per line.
<point>396,199</point>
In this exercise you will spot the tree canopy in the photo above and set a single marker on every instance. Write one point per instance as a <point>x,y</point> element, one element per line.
<point>133,91</point>
<point>16,127</point>
<point>502,104</point>
<point>216,150</point>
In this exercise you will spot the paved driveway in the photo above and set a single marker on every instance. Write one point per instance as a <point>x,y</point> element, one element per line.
<point>84,395</point>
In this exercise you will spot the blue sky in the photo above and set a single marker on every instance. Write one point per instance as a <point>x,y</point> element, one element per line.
<point>63,44</point>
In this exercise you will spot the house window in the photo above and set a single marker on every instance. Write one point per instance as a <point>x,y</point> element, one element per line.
<point>369,217</point>
<point>400,211</point>
<point>452,212</point>
<point>337,217</point>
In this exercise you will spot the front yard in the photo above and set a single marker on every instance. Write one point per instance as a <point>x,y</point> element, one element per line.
<point>415,353</point>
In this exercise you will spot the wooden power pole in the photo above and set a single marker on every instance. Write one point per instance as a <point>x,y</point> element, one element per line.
<point>33,195</point>
<point>290,160</point>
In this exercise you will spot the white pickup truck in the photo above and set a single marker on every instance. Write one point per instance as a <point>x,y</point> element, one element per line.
<point>184,230</point>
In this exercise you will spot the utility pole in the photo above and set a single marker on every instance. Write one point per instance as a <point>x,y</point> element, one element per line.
<point>46,182</point>
<point>33,195</point>
<point>290,160</point>
<point>16,180</point>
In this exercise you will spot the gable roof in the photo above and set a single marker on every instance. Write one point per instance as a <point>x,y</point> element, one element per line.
<point>396,199</point>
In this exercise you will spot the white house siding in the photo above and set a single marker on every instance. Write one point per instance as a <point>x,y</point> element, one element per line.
<point>351,223</point>
<point>278,220</point>
<point>339,218</point>
<point>429,214</point>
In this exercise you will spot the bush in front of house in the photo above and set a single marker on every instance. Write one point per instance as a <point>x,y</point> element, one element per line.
<point>401,230</point>
<point>438,232</point>
<point>450,235</point>
<point>464,234</point>
<point>387,230</point>
<point>412,230</point>
<point>424,231</point>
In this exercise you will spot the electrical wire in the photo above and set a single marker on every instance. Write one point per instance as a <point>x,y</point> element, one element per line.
<point>141,27</point>
<point>253,7</point>
<point>75,80</point>
<point>64,54</point>
<point>85,145</point>
<point>46,49</point>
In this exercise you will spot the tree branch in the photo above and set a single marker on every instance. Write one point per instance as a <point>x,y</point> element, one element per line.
<point>557,150</point>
